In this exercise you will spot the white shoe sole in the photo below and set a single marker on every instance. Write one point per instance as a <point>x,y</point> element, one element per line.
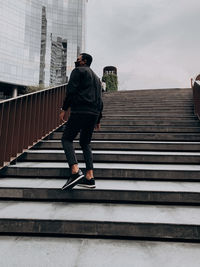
<point>87,186</point>
<point>73,182</point>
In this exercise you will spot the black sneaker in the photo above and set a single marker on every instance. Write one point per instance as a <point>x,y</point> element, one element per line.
<point>73,180</point>
<point>84,182</point>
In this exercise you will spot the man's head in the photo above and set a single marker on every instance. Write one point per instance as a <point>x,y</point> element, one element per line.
<point>84,59</point>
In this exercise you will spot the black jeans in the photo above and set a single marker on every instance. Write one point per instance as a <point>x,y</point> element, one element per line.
<point>85,124</point>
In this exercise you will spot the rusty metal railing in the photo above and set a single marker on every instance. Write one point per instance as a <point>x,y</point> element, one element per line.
<point>27,119</point>
<point>196,98</point>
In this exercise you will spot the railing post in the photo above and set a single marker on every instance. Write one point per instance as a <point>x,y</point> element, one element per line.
<point>196,97</point>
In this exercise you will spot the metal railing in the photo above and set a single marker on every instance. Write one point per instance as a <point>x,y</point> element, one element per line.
<point>196,98</point>
<point>27,119</point>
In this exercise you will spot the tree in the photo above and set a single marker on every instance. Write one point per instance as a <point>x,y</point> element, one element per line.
<point>111,82</point>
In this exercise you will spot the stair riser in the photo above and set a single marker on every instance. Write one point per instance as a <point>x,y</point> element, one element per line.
<point>165,123</point>
<point>103,196</point>
<point>147,129</point>
<point>138,136</point>
<point>130,101</point>
<point>151,129</point>
<point>100,229</point>
<point>124,146</point>
<point>123,99</point>
<point>155,116</point>
<point>116,158</point>
<point>154,119</point>
<point>106,173</point>
<point>149,109</point>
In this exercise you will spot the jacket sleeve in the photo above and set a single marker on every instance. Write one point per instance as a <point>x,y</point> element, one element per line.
<point>100,104</point>
<point>100,114</point>
<point>72,88</point>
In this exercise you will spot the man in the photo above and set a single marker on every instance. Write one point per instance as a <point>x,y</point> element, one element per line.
<point>83,105</point>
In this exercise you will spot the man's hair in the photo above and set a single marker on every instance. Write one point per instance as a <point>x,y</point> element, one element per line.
<point>87,57</point>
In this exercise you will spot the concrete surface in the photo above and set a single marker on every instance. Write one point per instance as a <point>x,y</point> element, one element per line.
<point>100,212</point>
<point>111,152</point>
<point>71,252</point>
<point>104,184</point>
<point>138,166</point>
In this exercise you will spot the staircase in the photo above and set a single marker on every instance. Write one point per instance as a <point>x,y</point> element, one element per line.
<point>147,169</point>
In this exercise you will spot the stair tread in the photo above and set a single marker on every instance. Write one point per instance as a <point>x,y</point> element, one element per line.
<point>124,185</point>
<point>130,142</point>
<point>110,252</point>
<point>132,213</point>
<point>167,167</point>
<point>116,152</point>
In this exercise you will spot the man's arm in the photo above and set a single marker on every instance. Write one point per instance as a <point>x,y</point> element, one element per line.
<point>72,88</point>
<point>98,125</point>
<point>74,81</point>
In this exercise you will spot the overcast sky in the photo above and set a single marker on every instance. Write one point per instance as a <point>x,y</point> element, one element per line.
<point>153,43</point>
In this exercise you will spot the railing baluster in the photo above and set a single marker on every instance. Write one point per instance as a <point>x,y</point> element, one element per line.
<point>39,125</point>
<point>30,126</point>
<point>4,132</point>
<point>53,108</point>
<point>46,115</point>
<point>1,118</point>
<point>43,114</point>
<point>17,128</point>
<point>23,126</point>
<point>11,131</point>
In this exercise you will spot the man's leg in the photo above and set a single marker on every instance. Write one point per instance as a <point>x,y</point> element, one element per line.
<point>85,139</point>
<point>88,157</point>
<point>72,128</point>
<point>70,155</point>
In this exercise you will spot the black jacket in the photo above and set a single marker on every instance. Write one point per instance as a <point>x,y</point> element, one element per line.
<point>84,92</point>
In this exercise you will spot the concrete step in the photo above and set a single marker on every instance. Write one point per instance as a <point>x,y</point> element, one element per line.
<point>137,102</point>
<point>130,102</point>
<point>157,118</point>
<point>164,123</point>
<point>138,136</point>
<point>100,220</point>
<point>121,99</point>
<point>150,94</point>
<point>150,113</point>
<point>127,145</point>
<point>152,109</point>
<point>50,251</point>
<point>107,191</point>
<point>154,116</point>
<point>116,156</point>
<point>147,129</point>
<point>108,171</point>
<point>148,106</point>
<point>157,97</point>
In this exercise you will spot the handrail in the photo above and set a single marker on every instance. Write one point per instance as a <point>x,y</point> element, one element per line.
<point>27,119</point>
<point>196,98</point>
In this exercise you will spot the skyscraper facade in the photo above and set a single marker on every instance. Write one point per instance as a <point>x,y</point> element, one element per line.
<point>40,40</point>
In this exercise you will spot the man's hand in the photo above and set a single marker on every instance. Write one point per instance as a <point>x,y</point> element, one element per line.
<point>65,115</point>
<point>97,127</point>
<point>61,116</point>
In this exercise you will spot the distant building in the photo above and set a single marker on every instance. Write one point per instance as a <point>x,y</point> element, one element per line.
<point>40,40</point>
<point>110,70</point>
<point>110,78</point>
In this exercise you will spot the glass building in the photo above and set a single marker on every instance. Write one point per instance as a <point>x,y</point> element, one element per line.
<point>40,40</point>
